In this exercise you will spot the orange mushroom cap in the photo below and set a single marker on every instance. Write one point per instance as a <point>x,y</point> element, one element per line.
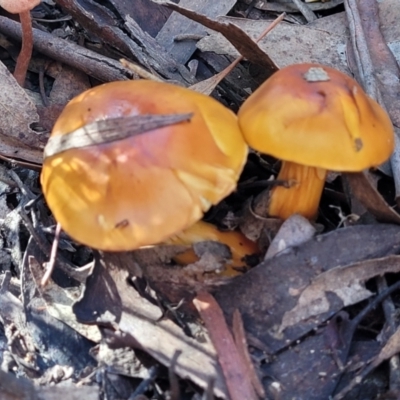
<point>18,6</point>
<point>138,191</point>
<point>317,116</point>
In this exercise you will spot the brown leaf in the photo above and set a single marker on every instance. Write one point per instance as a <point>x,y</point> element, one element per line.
<point>370,198</point>
<point>68,83</point>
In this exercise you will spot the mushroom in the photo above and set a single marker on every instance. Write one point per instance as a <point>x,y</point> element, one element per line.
<point>314,118</point>
<point>23,8</point>
<point>137,191</point>
<point>240,246</point>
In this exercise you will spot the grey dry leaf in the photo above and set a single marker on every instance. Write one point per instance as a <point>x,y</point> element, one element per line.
<point>289,6</point>
<point>323,41</point>
<point>247,47</point>
<point>295,231</point>
<point>59,302</point>
<point>17,110</point>
<point>287,44</point>
<point>346,282</point>
<point>179,25</point>
<point>109,298</point>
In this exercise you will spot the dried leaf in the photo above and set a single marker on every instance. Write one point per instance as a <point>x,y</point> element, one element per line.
<point>233,367</point>
<point>17,139</point>
<point>295,231</point>
<point>69,82</point>
<point>265,293</point>
<point>242,42</point>
<point>59,302</point>
<point>182,50</point>
<point>208,85</point>
<point>287,44</point>
<point>279,6</point>
<point>110,300</point>
<point>390,349</point>
<point>376,65</point>
<point>347,283</point>
<point>370,198</point>
<point>18,112</point>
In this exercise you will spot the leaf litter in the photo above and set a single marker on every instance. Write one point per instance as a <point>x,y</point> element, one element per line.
<point>306,318</point>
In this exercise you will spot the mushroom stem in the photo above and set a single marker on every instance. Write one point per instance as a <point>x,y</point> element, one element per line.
<point>202,231</point>
<point>26,50</point>
<point>303,193</point>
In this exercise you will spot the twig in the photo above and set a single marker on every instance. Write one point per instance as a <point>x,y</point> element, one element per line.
<point>361,50</point>
<point>390,315</point>
<point>96,65</point>
<point>139,71</point>
<point>22,187</point>
<point>175,393</point>
<point>45,100</point>
<point>208,85</point>
<point>42,244</point>
<point>308,14</point>
<point>53,256</point>
<point>352,328</point>
<point>142,387</point>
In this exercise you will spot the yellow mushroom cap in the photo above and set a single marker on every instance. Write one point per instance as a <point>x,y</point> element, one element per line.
<point>317,116</point>
<point>138,191</point>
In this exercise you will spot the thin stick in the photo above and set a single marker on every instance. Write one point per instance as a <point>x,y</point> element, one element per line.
<point>53,255</point>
